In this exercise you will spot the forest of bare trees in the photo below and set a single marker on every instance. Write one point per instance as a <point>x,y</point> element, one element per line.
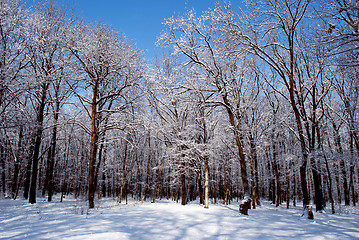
<point>259,103</point>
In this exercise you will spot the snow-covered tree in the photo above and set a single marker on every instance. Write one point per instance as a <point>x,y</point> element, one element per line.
<point>45,50</point>
<point>109,69</point>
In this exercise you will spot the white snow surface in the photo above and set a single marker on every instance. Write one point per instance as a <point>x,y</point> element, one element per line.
<point>71,219</point>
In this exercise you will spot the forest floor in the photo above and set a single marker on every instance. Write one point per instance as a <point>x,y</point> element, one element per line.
<point>71,219</point>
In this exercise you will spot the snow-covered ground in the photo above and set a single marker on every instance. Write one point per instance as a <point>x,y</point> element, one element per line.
<point>167,220</point>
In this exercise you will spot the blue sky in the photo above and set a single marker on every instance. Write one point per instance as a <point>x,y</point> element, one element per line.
<point>140,20</point>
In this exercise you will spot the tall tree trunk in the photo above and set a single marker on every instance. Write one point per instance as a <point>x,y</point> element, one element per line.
<point>102,154</point>
<point>258,202</point>
<point>206,182</point>
<point>254,172</point>
<point>46,181</point>
<point>277,176</point>
<point>50,187</point>
<point>93,147</point>
<point>200,189</point>
<point>292,88</point>
<point>330,185</point>
<point>101,158</point>
<point>147,191</point>
<point>351,169</point>
<point>294,190</point>
<point>28,174</point>
<point>338,144</point>
<point>103,186</point>
<point>338,183</point>
<point>169,183</point>
<point>38,138</point>
<point>303,167</point>
<point>317,186</point>
<point>184,190</point>
<point>124,175</point>
<point>320,144</point>
<point>319,202</point>
<point>2,167</point>
<point>242,160</point>
<point>345,182</point>
<point>351,184</point>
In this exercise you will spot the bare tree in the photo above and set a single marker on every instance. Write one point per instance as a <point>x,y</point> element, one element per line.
<point>198,39</point>
<point>273,38</point>
<point>47,30</point>
<point>110,67</point>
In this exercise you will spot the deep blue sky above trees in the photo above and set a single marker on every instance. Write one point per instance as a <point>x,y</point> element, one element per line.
<point>140,20</point>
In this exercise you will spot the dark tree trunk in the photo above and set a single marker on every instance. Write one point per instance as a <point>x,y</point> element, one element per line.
<point>345,182</point>
<point>2,162</point>
<point>338,144</point>
<point>184,190</point>
<point>294,190</point>
<point>242,160</point>
<point>292,89</point>
<point>338,183</point>
<point>351,184</point>
<point>330,185</point>
<point>200,188</point>
<point>28,175</point>
<point>168,184</point>
<point>303,182</point>
<point>148,172</point>
<point>277,176</point>
<point>103,186</point>
<point>101,158</point>
<point>254,172</point>
<point>124,175</point>
<point>47,172</point>
<point>317,187</point>
<point>256,181</point>
<point>320,144</point>
<point>50,187</point>
<point>101,153</point>
<point>93,147</point>
<point>319,201</point>
<point>38,138</point>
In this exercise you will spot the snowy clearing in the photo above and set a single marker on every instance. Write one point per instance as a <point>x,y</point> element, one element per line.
<point>167,220</point>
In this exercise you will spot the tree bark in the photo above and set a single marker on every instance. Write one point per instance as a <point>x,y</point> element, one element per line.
<point>338,144</point>
<point>206,181</point>
<point>94,146</point>
<point>276,173</point>
<point>50,187</point>
<point>38,138</point>
<point>2,162</point>
<point>184,190</point>
<point>319,201</point>
<point>28,174</point>
<point>147,190</point>
<point>330,185</point>
<point>242,160</point>
<point>317,186</point>
<point>123,179</point>
<point>200,189</point>
<point>303,167</point>
<point>351,184</point>
<point>254,172</point>
<point>345,182</point>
